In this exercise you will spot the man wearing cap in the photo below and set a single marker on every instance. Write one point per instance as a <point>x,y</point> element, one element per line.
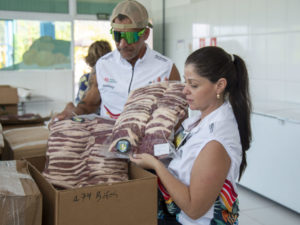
<point>132,65</point>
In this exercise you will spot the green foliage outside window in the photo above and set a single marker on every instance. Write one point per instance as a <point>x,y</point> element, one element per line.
<point>33,44</point>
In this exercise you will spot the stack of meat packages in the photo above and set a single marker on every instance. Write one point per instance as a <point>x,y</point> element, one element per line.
<point>150,117</point>
<point>74,159</point>
<point>79,151</point>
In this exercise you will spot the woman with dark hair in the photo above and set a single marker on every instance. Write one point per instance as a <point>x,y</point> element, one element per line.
<point>200,180</point>
<point>95,51</point>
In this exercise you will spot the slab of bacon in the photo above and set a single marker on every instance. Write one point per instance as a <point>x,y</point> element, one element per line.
<point>150,116</point>
<point>74,159</point>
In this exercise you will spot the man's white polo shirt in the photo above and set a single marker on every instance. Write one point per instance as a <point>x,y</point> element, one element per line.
<point>116,78</point>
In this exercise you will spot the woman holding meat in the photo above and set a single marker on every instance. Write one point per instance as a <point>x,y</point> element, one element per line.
<point>211,156</point>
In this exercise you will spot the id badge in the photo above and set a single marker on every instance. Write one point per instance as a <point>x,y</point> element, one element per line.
<point>180,138</point>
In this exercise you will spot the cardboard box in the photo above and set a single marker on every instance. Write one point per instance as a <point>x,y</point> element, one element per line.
<point>133,202</point>
<point>20,198</point>
<point>8,109</point>
<point>8,95</point>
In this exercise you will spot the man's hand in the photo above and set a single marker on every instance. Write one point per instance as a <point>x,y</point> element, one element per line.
<point>89,104</point>
<point>67,113</point>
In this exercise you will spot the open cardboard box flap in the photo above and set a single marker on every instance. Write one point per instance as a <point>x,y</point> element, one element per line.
<point>133,202</point>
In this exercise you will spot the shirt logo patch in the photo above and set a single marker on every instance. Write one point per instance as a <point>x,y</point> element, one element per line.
<point>110,80</point>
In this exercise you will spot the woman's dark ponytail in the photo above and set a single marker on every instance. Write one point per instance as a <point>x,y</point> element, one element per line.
<point>239,98</point>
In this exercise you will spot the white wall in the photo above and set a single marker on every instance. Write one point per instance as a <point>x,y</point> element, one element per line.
<point>266,33</point>
<point>56,84</point>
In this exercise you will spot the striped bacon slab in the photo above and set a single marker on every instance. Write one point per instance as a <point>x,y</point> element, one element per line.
<point>150,116</point>
<point>75,158</point>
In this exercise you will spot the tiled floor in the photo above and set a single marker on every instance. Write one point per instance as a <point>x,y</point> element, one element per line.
<point>257,210</point>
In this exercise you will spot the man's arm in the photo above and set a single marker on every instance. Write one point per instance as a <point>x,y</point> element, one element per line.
<point>91,99</point>
<point>174,75</point>
<point>89,104</point>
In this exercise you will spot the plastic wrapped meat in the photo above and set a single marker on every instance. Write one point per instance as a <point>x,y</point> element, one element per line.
<point>149,117</point>
<point>74,157</point>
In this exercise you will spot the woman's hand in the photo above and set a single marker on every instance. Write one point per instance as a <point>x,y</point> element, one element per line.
<point>144,160</point>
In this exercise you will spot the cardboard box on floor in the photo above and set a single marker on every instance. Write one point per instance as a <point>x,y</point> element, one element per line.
<point>20,198</point>
<point>133,202</point>
<point>9,95</point>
